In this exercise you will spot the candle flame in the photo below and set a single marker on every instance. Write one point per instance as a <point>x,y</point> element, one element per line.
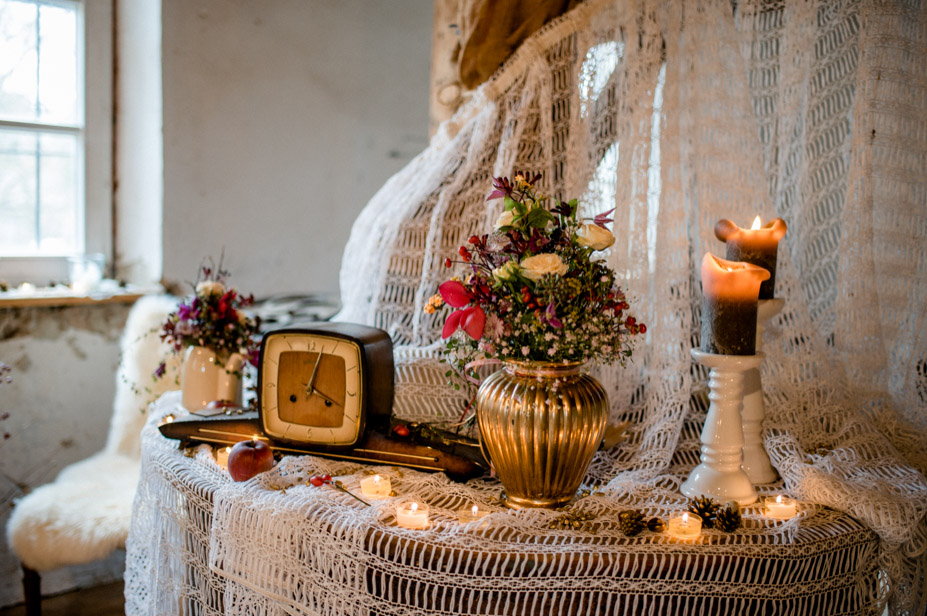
<point>376,479</point>
<point>757,223</point>
<point>685,518</point>
<point>779,499</point>
<point>169,419</point>
<point>228,450</point>
<point>413,507</point>
<point>474,510</point>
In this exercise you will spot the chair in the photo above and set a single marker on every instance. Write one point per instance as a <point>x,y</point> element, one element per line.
<point>84,514</point>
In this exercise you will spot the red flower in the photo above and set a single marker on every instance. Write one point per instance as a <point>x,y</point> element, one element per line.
<point>472,320</point>
<point>454,294</point>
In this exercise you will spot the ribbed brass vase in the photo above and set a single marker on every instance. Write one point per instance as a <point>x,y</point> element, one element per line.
<point>541,423</point>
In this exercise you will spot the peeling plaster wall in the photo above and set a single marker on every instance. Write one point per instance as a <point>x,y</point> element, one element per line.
<point>60,400</point>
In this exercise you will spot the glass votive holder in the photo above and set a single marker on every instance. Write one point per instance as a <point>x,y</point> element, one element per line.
<point>375,487</point>
<point>684,525</point>
<point>222,456</point>
<point>86,272</point>
<point>412,514</point>
<point>471,513</point>
<point>780,507</point>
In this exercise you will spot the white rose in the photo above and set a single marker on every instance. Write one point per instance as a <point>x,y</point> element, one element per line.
<point>594,237</point>
<point>505,219</point>
<point>210,287</point>
<point>507,272</point>
<point>537,266</point>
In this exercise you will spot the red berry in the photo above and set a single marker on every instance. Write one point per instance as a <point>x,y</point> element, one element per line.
<point>642,328</point>
<point>401,430</point>
<point>464,254</point>
<point>326,478</point>
<point>316,481</point>
<point>630,321</point>
<point>447,262</point>
<point>474,239</point>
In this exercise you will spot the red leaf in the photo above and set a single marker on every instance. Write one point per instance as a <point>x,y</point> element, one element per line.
<point>450,326</point>
<point>602,219</point>
<point>496,194</point>
<point>454,294</point>
<point>473,321</point>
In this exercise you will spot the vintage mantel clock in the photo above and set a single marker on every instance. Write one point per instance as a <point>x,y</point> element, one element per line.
<point>324,387</point>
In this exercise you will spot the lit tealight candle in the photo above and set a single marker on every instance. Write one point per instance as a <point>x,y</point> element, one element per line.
<point>758,245</point>
<point>412,514</point>
<point>781,507</point>
<point>685,526</point>
<point>730,293</point>
<point>222,456</point>
<point>377,486</point>
<point>471,514</point>
<point>169,418</point>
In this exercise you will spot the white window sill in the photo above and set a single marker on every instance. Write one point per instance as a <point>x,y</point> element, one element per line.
<point>107,292</point>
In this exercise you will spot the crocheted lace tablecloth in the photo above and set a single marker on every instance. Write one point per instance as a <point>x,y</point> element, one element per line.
<point>202,544</point>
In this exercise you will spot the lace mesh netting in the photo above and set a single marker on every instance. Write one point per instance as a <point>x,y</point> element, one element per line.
<point>677,114</point>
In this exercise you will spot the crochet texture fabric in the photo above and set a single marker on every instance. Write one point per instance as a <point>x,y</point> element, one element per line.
<point>676,114</point>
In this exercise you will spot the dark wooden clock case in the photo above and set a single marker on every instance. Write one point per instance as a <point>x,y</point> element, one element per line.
<point>377,374</point>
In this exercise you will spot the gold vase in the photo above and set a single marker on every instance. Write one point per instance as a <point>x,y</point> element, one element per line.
<point>541,423</point>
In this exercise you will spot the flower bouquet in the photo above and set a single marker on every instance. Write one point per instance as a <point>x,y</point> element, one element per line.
<point>540,299</point>
<point>537,289</point>
<point>217,336</point>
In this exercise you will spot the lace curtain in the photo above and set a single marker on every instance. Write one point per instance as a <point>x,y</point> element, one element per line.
<point>678,114</point>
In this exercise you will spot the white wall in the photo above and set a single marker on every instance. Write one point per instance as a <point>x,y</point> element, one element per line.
<point>281,119</point>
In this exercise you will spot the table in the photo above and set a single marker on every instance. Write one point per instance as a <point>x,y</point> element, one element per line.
<point>201,544</point>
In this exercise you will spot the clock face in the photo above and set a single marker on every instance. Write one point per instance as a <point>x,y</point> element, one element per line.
<point>311,388</point>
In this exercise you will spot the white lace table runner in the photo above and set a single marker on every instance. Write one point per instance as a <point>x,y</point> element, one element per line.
<point>275,545</point>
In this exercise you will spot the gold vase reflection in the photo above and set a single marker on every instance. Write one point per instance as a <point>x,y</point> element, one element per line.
<point>541,423</point>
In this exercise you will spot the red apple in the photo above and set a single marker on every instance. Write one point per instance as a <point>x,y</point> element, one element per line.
<point>250,458</point>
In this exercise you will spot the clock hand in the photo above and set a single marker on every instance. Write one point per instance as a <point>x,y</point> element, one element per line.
<point>315,373</point>
<point>323,396</point>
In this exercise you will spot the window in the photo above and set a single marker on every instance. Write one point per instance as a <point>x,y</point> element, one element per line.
<point>55,135</point>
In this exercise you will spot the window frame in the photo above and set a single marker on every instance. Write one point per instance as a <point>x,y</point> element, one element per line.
<point>96,139</point>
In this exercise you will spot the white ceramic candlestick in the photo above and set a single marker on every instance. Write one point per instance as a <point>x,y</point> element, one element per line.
<point>720,475</point>
<point>756,461</point>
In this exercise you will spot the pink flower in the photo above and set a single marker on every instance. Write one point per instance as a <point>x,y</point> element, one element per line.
<point>495,327</point>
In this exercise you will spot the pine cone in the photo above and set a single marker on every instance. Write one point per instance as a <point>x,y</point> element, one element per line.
<point>729,519</point>
<point>631,522</point>
<point>656,525</point>
<point>705,508</point>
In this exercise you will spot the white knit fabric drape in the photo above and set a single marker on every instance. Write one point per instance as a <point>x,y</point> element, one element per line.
<point>676,113</point>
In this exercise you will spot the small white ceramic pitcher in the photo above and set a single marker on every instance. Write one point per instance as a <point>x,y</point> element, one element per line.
<point>204,379</point>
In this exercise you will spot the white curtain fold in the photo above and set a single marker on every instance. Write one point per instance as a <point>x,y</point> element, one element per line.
<point>678,114</point>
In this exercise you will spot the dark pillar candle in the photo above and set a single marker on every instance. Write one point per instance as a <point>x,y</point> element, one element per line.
<point>730,292</point>
<point>758,245</point>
